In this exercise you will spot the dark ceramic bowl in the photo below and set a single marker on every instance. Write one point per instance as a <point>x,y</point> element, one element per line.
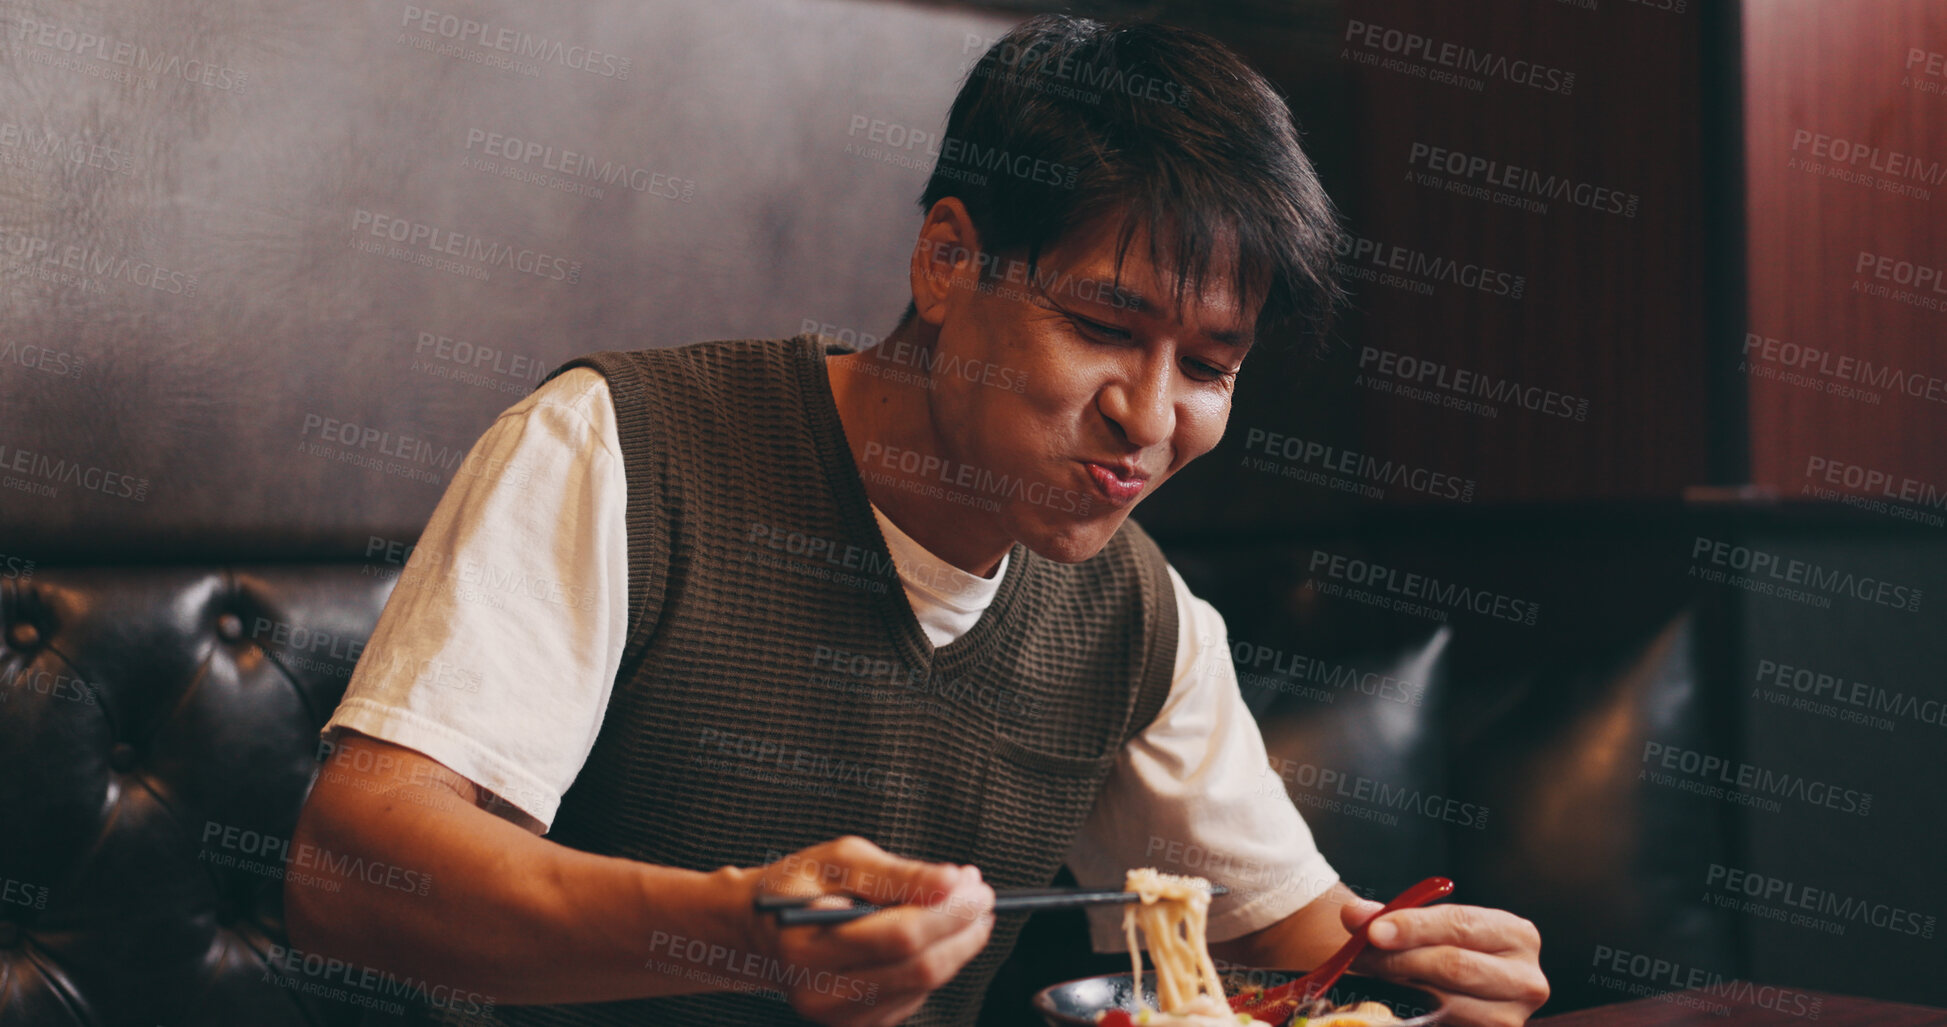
<point>1076,1003</point>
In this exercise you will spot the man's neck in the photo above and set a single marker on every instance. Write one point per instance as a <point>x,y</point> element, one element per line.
<point>880,412</point>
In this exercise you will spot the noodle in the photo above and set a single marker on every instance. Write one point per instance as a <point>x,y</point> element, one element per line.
<point>1172,915</point>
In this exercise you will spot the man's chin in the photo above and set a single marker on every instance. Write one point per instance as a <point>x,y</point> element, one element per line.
<point>1067,539</point>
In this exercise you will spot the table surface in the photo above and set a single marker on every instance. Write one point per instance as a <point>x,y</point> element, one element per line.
<point>1698,1008</point>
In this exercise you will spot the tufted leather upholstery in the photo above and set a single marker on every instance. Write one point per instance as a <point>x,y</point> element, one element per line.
<point>159,726</point>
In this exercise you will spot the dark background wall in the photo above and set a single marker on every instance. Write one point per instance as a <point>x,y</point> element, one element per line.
<point>190,299</point>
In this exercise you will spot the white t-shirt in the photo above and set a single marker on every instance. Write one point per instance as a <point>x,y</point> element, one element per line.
<point>500,644</point>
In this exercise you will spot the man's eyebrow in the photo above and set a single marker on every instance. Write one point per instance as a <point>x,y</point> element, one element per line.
<point>1141,304</point>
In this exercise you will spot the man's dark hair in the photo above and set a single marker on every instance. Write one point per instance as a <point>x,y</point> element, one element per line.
<point>1163,124</point>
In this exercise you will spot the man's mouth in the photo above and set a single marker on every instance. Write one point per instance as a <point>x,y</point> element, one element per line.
<point>1119,484</point>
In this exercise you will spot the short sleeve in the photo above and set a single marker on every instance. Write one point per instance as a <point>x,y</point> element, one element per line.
<point>497,650</point>
<point>1193,795</point>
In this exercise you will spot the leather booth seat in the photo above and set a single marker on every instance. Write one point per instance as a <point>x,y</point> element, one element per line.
<point>157,737</point>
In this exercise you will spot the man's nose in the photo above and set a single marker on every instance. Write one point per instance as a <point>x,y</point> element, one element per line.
<point>1139,405</point>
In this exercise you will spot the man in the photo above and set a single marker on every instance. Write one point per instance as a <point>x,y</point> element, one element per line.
<point>736,608</point>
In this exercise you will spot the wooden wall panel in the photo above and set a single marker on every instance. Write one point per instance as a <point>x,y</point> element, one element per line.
<point>1846,155</point>
<point>1610,311</point>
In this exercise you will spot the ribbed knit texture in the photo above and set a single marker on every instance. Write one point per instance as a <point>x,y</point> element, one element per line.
<point>737,733</point>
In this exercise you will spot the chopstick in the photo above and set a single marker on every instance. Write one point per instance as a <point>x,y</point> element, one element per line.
<point>794,911</point>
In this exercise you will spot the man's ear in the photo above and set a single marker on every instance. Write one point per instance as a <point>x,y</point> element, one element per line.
<point>946,256</point>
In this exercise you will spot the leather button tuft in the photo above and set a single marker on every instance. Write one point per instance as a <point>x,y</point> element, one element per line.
<point>9,934</point>
<point>24,635</point>
<point>229,627</point>
<point>122,757</point>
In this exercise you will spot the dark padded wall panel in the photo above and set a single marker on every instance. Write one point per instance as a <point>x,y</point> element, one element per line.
<point>1844,709</point>
<point>192,291</point>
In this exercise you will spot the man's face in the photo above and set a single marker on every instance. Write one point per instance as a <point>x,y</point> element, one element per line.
<point>1071,394</point>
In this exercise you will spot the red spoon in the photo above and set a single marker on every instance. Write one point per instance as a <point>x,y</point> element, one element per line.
<point>1274,1005</point>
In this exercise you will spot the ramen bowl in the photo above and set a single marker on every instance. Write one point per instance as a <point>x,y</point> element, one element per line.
<point>1077,1003</point>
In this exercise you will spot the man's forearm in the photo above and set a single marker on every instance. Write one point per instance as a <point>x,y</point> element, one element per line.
<point>412,880</point>
<point>1298,942</point>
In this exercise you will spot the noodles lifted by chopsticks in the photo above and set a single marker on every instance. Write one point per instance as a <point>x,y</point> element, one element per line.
<point>1172,915</point>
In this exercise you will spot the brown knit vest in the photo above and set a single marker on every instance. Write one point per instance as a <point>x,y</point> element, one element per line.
<point>776,690</point>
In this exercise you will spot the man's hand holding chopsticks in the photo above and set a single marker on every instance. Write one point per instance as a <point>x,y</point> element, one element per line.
<point>877,969</point>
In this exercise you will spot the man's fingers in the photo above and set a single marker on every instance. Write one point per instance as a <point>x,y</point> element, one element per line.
<point>898,934</point>
<point>1467,927</point>
<point>932,967</point>
<point>897,987</point>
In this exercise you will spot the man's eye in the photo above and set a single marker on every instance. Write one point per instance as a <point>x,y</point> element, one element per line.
<point>1207,372</point>
<point>1098,330</point>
